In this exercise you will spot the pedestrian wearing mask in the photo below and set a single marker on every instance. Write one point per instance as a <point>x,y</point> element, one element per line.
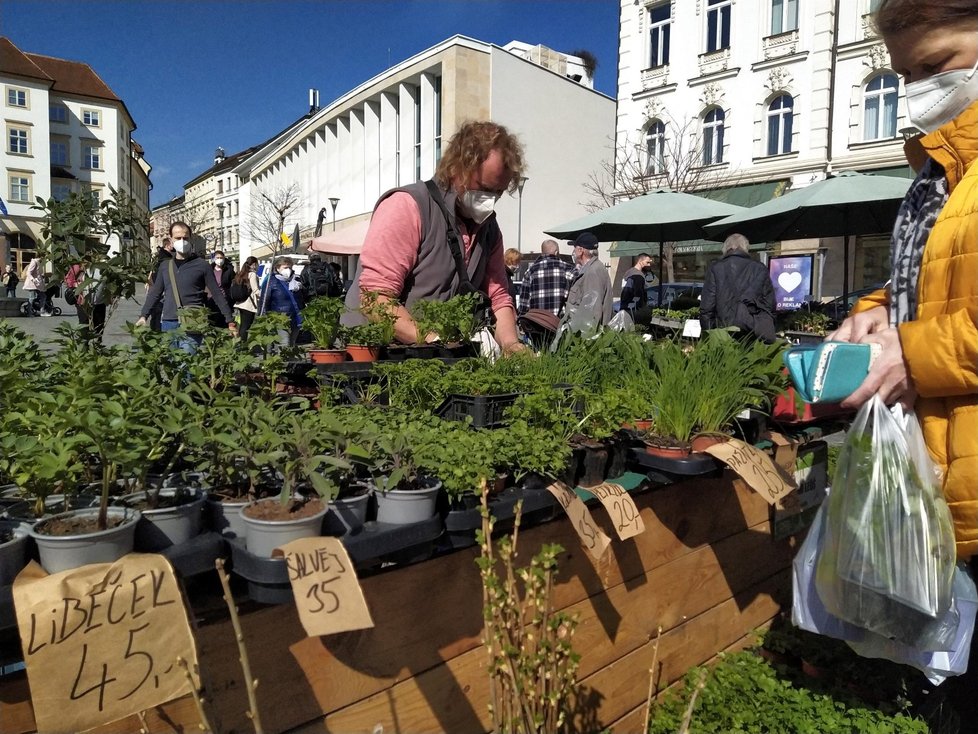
<point>281,294</point>
<point>187,277</point>
<point>244,292</point>
<point>633,288</point>
<point>926,319</point>
<point>224,276</point>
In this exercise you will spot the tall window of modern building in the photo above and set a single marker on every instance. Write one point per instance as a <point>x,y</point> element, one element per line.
<point>784,16</point>
<point>396,107</point>
<point>417,134</point>
<point>655,144</point>
<point>713,136</point>
<point>437,103</point>
<point>880,107</point>
<point>17,140</point>
<point>59,152</point>
<point>20,187</point>
<point>718,24</point>
<point>779,116</point>
<point>660,21</point>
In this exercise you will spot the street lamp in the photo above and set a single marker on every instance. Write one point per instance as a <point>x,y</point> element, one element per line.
<point>220,214</point>
<point>334,200</point>
<point>519,220</point>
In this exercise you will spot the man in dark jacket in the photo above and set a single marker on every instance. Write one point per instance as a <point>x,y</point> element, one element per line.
<point>633,293</point>
<point>319,279</point>
<point>162,255</point>
<point>738,292</point>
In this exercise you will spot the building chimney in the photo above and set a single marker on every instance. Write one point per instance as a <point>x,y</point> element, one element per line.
<point>314,100</point>
<point>219,156</point>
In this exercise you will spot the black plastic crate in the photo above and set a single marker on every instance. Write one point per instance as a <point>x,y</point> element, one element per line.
<point>486,411</point>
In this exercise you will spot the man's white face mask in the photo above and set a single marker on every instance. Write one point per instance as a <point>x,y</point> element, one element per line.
<point>479,204</point>
<point>181,247</point>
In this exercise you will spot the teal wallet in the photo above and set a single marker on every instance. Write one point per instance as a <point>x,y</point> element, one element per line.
<point>831,371</point>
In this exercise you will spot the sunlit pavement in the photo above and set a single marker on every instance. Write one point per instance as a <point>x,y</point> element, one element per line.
<point>42,327</point>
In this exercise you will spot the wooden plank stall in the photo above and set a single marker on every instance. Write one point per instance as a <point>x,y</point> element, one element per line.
<point>706,570</point>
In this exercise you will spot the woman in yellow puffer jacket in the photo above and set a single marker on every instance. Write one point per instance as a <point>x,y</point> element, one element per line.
<point>927,318</point>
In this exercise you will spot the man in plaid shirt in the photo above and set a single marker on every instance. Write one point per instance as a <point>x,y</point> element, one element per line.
<point>546,282</point>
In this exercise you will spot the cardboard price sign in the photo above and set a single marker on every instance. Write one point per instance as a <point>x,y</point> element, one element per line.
<point>621,507</point>
<point>754,467</point>
<point>325,586</point>
<point>101,642</point>
<point>592,537</point>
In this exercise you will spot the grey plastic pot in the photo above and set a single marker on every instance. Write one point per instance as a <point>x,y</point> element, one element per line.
<point>62,552</point>
<point>13,553</point>
<point>162,527</point>
<point>264,536</point>
<point>406,506</point>
<point>225,517</point>
<point>346,514</point>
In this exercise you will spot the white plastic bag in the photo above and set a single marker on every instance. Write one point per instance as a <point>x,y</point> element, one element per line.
<point>888,557</point>
<point>936,665</point>
<point>621,321</point>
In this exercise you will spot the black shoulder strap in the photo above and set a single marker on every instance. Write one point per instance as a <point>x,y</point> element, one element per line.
<point>464,283</point>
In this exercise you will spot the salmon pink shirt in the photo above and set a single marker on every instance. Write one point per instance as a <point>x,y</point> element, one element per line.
<point>390,251</point>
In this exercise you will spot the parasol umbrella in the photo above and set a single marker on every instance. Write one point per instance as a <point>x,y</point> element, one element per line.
<point>842,205</point>
<point>344,241</point>
<point>658,216</point>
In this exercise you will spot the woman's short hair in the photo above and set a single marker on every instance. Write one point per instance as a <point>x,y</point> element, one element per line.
<point>894,16</point>
<point>280,261</point>
<point>469,148</point>
<point>512,257</point>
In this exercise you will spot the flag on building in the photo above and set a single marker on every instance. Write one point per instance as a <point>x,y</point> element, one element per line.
<point>3,208</point>
<point>286,240</point>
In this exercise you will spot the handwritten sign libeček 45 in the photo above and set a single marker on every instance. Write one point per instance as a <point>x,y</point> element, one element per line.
<point>325,586</point>
<point>101,642</point>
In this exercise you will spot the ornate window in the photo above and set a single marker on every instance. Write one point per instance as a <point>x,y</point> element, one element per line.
<point>779,117</point>
<point>784,16</point>
<point>655,148</point>
<point>660,22</point>
<point>713,136</point>
<point>880,107</point>
<point>718,25</point>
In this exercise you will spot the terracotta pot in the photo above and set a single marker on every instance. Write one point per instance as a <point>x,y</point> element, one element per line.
<point>327,356</point>
<point>701,442</point>
<point>361,353</point>
<point>638,425</point>
<point>667,452</point>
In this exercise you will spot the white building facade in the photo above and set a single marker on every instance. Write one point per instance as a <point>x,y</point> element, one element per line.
<point>770,92</point>
<point>390,131</point>
<point>64,131</point>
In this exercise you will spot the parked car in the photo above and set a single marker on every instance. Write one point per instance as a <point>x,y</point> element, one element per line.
<point>838,308</point>
<point>676,296</point>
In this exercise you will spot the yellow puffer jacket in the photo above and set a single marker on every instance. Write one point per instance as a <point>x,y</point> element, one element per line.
<point>941,345</point>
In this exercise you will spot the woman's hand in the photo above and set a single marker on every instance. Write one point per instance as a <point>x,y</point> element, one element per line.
<point>889,376</point>
<point>141,321</point>
<point>855,327</point>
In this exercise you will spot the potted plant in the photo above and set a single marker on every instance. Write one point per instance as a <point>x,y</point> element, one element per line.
<point>301,452</point>
<point>453,322</point>
<point>364,342</point>
<point>321,317</point>
<point>405,491</point>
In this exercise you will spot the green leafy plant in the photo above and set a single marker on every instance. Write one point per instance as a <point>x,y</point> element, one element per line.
<point>381,317</point>
<point>453,320</point>
<point>321,317</point>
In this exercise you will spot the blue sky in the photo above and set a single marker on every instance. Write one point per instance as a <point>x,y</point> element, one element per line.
<point>197,74</point>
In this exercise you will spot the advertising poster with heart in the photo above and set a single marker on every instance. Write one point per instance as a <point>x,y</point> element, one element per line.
<point>792,280</point>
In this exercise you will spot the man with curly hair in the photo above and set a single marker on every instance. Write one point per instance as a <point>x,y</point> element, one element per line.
<point>437,239</point>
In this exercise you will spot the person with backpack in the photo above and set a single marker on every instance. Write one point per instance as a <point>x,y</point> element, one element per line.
<point>319,279</point>
<point>243,293</point>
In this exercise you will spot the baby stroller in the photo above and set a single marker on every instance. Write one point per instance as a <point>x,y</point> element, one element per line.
<point>539,326</point>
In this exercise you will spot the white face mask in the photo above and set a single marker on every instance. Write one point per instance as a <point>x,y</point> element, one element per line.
<point>479,204</point>
<point>219,261</point>
<point>936,100</point>
<point>182,247</point>
<point>285,273</point>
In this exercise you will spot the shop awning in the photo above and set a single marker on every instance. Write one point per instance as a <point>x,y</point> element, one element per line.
<point>747,195</point>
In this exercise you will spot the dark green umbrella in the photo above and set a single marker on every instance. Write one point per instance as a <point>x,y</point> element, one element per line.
<point>658,216</point>
<point>842,205</point>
